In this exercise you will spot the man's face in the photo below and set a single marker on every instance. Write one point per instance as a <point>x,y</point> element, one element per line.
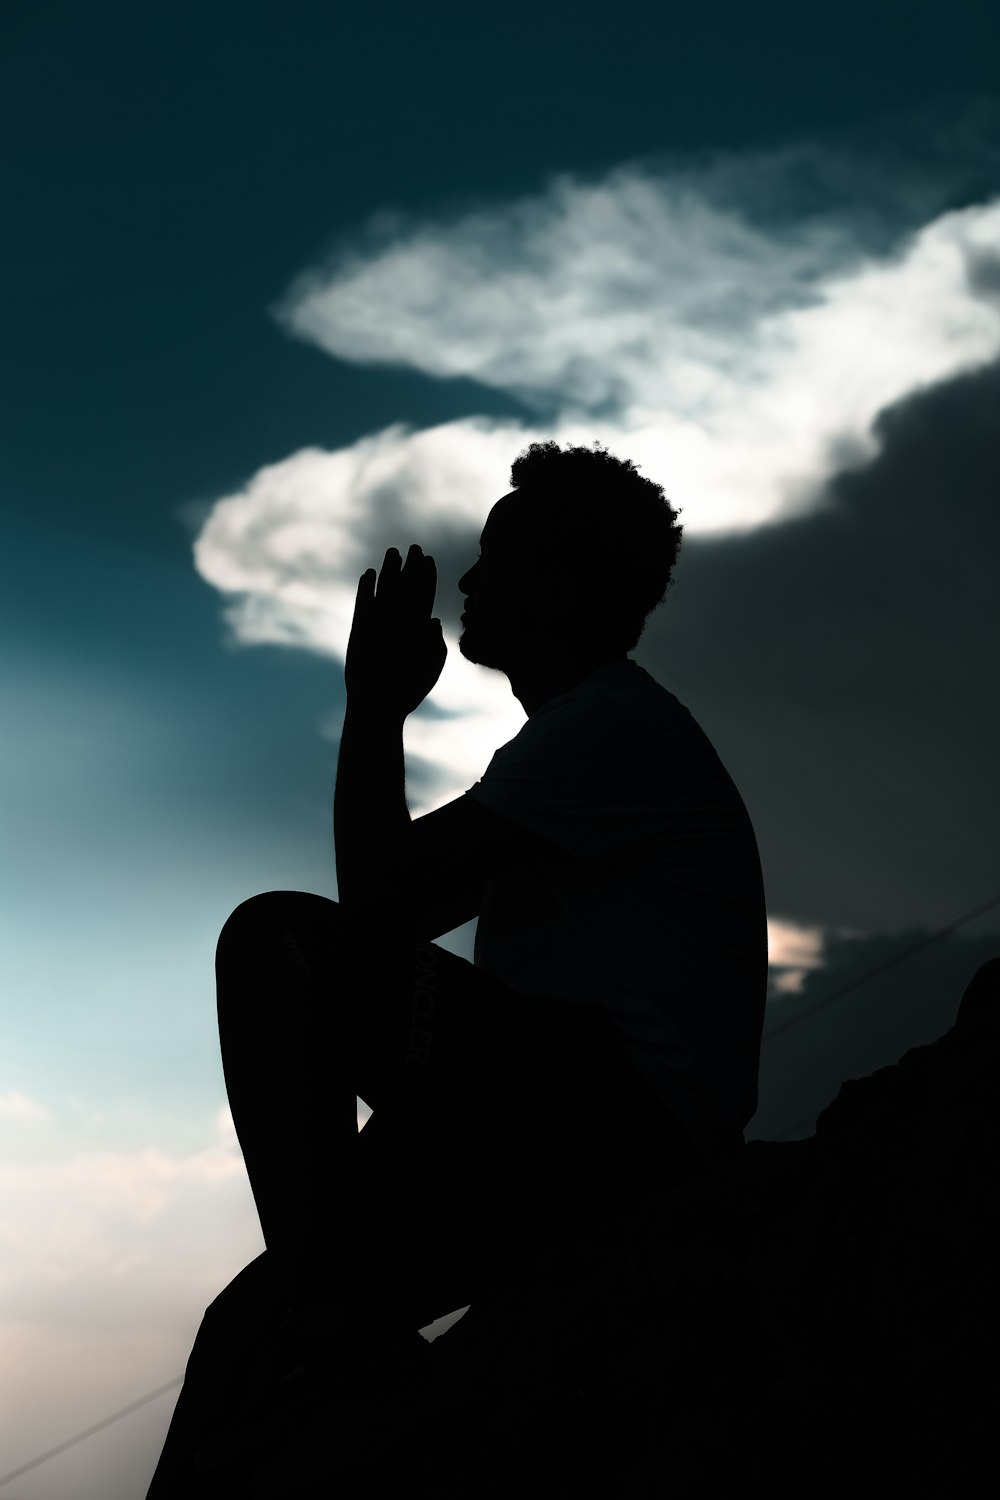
<point>514,591</point>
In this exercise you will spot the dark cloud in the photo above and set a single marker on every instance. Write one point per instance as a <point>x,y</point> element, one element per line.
<point>911,1004</point>
<point>844,664</point>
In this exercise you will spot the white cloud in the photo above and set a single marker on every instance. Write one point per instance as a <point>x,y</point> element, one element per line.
<point>63,1215</point>
<point>17,1106</point>
<point>293,544</point>
<point>108,1260</point>
<point>793,950</point>
<point>735,361</point>
<point>732,355</point>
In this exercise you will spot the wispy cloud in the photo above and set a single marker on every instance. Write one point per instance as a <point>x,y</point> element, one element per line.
<point>729,355</point>
<point>109,1260</point>
<point>94,1211</point>
<point>792,951</point>
<point>101,1252</point>
<point>17,1106</point>
<point>737,362</point>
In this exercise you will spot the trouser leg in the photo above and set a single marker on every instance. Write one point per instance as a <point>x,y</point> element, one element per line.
<point>292,1096</point>
<point>294,1106</point>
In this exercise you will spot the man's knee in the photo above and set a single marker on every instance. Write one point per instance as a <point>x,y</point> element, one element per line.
<point>271,911</point>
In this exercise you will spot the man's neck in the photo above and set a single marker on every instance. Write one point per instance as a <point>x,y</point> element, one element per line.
<point>539,682</point>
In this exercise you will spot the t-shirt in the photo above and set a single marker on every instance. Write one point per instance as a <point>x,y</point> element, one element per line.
<point>651,902</point>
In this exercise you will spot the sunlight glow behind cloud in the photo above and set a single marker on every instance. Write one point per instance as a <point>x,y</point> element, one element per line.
<point>731,356</point>
<point>736,365</point>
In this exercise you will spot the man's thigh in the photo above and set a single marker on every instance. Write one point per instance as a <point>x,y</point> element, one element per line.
<point>429,1037</point>
<point>393,1008</point>
<point>425,1018</point>
<point>478,1073</point>
<point>523,1120</point>
<point>436,1020</point>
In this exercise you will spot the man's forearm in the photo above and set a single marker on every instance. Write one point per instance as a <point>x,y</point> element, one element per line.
<point>369,804</point>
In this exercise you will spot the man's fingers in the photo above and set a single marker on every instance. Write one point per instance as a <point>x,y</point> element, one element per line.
<point>409,586</point>
<point>392,565</point>
<point>425,585</point>
<point>417,583</point>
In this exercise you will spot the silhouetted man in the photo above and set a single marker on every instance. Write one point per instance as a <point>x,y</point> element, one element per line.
<point>609,1030</point>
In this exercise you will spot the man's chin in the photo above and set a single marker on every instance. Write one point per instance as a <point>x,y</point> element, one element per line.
<point>476,651</point>
<point>467,647</point>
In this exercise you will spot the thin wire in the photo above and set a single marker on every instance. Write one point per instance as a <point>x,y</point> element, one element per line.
<point>880,969</point>
<point>776,1031</point>
<point>836,994</point>
<point>61,1447</point>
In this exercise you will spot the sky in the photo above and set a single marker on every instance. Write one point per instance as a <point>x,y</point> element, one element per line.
<point>286,285</point>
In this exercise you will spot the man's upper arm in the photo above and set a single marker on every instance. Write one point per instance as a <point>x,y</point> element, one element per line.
<point>447,859</point>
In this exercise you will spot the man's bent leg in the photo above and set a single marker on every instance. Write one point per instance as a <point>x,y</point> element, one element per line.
<point>292,972</point>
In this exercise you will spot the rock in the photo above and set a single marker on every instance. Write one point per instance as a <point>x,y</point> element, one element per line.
<point>818,1316</point>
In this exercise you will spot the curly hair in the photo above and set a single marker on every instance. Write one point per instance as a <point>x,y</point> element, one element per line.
<point>623,533</point>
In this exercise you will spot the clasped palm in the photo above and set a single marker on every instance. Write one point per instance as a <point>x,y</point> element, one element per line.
<point>396,651</point>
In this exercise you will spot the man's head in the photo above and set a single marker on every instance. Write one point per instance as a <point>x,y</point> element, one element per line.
<point>572,560</point>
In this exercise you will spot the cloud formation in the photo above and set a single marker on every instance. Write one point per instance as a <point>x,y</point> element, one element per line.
<point>730,356</point>
<point>842,662</point>
<point>750,366</point>
<point>14,1105</point>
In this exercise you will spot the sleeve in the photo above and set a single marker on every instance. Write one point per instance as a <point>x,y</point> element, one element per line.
<point>592,782</point>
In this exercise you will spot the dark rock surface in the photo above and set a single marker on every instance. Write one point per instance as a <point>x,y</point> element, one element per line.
<point>818,1317</point>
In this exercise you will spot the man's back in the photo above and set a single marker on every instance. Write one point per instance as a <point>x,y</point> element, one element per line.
<point>652,901</point>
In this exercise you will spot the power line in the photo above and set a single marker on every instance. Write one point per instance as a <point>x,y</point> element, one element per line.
<point>854,984</point>
<point>97,1427</point>
<point>776,1031</point>
<point>879,969</point>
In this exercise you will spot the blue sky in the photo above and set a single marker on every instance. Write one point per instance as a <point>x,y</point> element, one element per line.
<point>287,285</point>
